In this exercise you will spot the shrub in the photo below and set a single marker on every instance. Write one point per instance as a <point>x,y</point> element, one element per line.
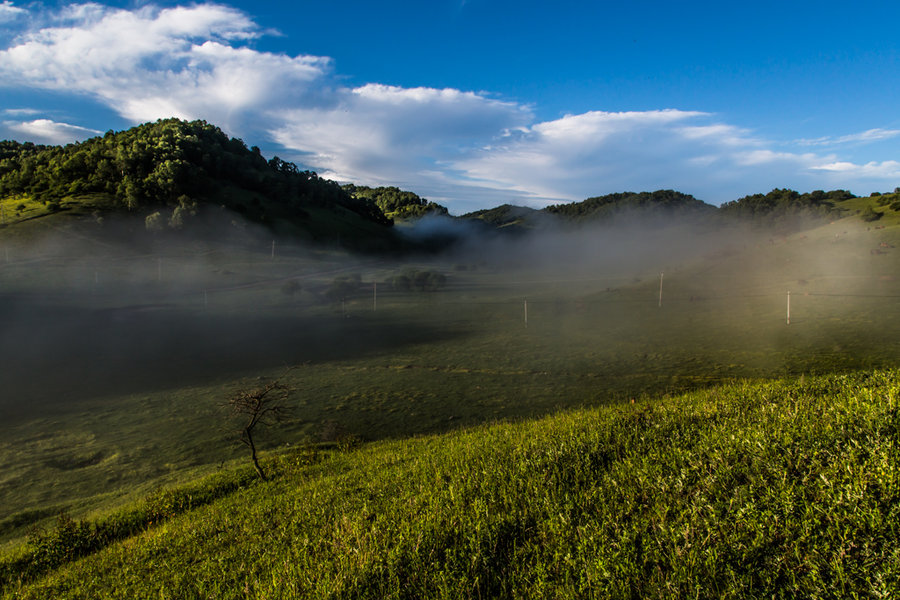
<point>289,288</point>
<point>154,222</point>
<point>869,214</point>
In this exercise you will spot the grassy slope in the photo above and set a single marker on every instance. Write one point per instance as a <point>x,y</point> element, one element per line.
<point>22,215</point>
<point>779,489</point>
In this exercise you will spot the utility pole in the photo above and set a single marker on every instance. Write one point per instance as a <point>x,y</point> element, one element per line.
<point>526,313</point>
<point>788,308</point>
<point>660,289</point>
<point>374,296</point>
<point>273,249</point>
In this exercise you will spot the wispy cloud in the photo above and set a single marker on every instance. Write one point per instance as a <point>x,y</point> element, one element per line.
<point>20,112</point>
<point>468,149</point>
<point>865,137</point>
<point>46,131</point>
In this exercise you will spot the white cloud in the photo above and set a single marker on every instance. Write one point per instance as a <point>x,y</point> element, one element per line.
<point>9,12</point>
<point>387,134</point>
<point>152,63</point>
<point>889,169</point>
<point>45,131</point>
<point>594,153</point>
<point>598,152</point>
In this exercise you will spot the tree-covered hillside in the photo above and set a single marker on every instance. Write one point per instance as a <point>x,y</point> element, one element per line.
<point>506,216</point>
<point>780,208</point>
<point>662,202</point>
<point>396,203</point>
<point>784,206</point>
<point>172,163</point>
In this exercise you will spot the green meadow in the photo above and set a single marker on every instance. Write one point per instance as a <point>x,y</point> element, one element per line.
<point>571,426</point>
<point>786,488</point>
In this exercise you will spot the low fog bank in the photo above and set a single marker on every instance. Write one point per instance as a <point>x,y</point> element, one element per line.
<point>54,355</point>
<point>635,242</point>
<point>95,311</point>
<point>630,243</point>
<point>91,313</point>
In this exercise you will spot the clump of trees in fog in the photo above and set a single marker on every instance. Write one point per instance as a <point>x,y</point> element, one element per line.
<point>343,286</point>
<point>410,280</point>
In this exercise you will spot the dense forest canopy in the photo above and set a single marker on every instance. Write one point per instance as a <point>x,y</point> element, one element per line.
<point>396,203</point>
<point>785,205</point>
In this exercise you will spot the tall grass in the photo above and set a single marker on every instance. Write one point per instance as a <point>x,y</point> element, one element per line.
<point>776,489</point>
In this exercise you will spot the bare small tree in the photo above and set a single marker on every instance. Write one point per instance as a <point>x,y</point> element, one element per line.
<point>262,405</point>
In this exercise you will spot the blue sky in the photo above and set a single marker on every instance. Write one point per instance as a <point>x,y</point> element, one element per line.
<point>473,103</point>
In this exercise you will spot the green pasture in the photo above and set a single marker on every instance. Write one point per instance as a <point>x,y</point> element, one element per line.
<point>780,489</point>
<point>117,360</point>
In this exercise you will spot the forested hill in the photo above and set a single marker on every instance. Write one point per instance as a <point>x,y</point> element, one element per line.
<point>645,206</point>
<point>662,202</point>
<point>396,203</point>
<point>780,209</point>
<point>781,206</point>
<point>508,216</point>
<point>174,166</point>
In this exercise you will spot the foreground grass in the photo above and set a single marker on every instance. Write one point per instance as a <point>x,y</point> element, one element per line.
<point>775,489</point>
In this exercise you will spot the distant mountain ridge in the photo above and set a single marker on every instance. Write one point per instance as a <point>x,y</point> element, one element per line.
<point>778,208</point>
